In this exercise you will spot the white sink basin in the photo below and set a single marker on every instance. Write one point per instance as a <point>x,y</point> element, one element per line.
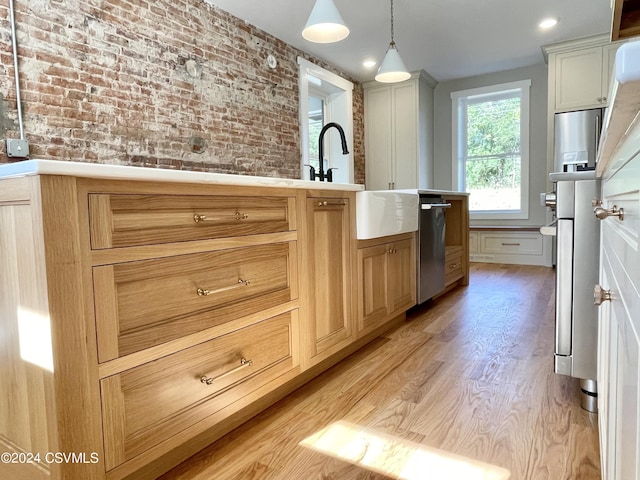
<point>385,212</point>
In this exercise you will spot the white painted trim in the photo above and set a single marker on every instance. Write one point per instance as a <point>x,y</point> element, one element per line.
<point>307,69</point>
<point>457,180</point>
<point>490,89</point>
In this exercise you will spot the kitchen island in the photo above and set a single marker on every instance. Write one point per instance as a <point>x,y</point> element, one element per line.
<point>146,313</point>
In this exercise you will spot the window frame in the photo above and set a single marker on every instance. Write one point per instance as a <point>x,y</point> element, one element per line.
<point>458,147</point>
<point>338,108</point>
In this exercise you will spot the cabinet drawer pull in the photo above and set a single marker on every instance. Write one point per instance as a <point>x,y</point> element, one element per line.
<point>203,218</point>
<point>243,364</point>
<point>602,213</point>
<point>454,265</point>
<point>241,283</point>
<point>504,244</point>
<point>392,251</point>
<point>327,203</point>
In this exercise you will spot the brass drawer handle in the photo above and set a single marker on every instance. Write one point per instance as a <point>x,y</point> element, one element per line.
<point>392,251</point>
<point>336,203</point>
<point>243,364</point>
<point>241,283</point>
<point>203,218</point>
<point>454,265</point>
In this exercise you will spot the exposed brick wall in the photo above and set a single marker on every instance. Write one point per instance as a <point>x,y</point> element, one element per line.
<point>175,83</point>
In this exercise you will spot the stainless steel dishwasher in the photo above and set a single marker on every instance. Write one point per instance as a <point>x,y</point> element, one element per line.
<point>431,246</point>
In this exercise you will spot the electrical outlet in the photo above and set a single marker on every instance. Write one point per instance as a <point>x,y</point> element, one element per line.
<point>17,147</point>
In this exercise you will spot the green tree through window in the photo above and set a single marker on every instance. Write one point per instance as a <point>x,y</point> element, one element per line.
<point>493,154</point>
<point>492,148</point>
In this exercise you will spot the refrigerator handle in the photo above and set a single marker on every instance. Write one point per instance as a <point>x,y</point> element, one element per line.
<point>564,286</point>
<point>598,133</point>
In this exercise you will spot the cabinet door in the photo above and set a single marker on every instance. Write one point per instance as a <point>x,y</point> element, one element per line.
<point>329,265</point>
<point>627,435</point>
<point>405,135</point>
<point>579,79</point>
<point>402,276</point>
<point>372,286</point>
<point>607,350</point>
<point>608,60</point>
<point>378,138</point>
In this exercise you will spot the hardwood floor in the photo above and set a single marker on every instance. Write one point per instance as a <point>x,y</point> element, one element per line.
<point>471,373</point>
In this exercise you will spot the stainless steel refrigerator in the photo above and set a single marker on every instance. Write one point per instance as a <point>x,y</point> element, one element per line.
<point>577,245</point>
<point>577,135</point>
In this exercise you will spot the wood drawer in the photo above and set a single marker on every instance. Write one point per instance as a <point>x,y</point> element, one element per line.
<point>128,220</point>
<point>453,266</point>
<point>145,303</point>
<point>145,405</point>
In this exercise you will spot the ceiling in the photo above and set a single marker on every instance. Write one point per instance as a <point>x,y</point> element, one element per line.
<point>447,38</point>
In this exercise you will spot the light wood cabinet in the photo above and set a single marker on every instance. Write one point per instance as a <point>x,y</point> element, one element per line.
<point>146,404</point>
<point>453,265</point>
<point>386,279</point>
<point>330,231</point>
<point>625,22</point>
<point>398,134</point>
<point>150,302</point>
<point>129,304</point>
<point>129,219</point>
<point>136,335</point>
<point>456,241</point>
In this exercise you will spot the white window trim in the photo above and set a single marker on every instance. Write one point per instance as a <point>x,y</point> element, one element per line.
<point>456,148</point>
<point>307,69</point>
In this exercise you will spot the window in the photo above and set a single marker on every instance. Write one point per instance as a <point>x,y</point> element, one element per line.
<point>316,122</point>
<point>491,149</point>
<point>325,97</point>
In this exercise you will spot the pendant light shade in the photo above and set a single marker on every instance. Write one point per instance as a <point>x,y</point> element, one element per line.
<point>392,69</point>
<point>325,25</point>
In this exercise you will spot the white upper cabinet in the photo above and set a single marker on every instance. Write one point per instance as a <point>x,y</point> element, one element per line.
<point>398,134</point>
<point>580,73</point>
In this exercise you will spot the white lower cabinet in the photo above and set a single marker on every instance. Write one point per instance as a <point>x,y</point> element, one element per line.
<point>619,317</point>
<point>618,379</point>
<point>504,246</point>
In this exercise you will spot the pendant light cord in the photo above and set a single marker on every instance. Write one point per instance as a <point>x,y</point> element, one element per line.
<point>392,41</point>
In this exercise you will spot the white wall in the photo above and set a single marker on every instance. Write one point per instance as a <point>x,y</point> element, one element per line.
<point>538,135</point>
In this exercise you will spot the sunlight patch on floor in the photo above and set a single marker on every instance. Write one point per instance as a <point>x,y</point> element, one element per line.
<point>396,457</point>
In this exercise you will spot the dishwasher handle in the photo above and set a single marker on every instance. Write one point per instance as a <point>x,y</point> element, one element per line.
<point>429,206</point>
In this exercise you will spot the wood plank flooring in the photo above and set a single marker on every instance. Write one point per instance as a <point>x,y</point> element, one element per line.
<point>471,373</point>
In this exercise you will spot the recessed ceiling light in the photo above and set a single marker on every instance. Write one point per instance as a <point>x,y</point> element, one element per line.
<point>548,23</point>
<point>369,63</point>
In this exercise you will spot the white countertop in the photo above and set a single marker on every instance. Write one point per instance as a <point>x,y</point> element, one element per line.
<point>564,176</point>
<point>432,192</point>
<point>121,172</point>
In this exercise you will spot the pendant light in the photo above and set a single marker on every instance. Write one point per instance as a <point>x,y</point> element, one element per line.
<point>325,25</point>
<point>392,68</point>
